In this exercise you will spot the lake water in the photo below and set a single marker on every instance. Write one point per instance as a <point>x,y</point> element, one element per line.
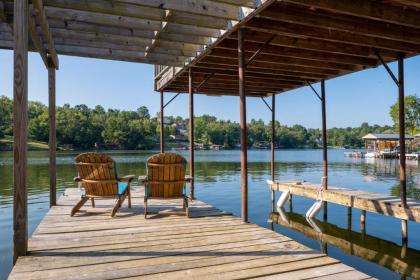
<point>217,183</point>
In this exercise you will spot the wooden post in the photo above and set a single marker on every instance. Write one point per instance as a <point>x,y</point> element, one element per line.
<point>404,230</point>
<point>243,137</point>
<point>273,146</point>
<point>20,129</point>
<point>324,148</point>
<point>349,218</point>
<point>191,101</point>
<point>363,222</point>
<point>52,135</point>
<point>162,125</point>
<point>403,185</point>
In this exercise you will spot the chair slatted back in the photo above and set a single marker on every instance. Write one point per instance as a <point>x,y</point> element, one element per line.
<point>97,172</point>
<point>166,175</point>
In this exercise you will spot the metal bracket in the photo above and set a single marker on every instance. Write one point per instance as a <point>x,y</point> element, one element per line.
<point>314,90</point>
<point>205,80</point>
<point>172,99</point>
<point>259,50</point>
<point>387,68</point>
<point>268,106</point>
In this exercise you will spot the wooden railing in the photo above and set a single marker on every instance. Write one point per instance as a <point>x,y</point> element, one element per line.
<point>159,69</point>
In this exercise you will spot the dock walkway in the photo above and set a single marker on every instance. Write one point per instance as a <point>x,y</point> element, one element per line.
<point>212,244</point>
<point>387,205</point>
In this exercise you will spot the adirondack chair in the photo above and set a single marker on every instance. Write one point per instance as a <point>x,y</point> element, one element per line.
<point>165,179</point>
<point>98,176</point>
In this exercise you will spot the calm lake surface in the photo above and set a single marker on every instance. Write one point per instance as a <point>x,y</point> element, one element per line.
<point>217,183</point>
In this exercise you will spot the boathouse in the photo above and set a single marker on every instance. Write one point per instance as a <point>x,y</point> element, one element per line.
<point>385,142</point>
<point>248,49</point>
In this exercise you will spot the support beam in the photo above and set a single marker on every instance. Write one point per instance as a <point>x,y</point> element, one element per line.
<point>191,132</point>
<point>162,125</point>
<point>36,40</point>
<point>52,135</point>
<point>172,99</point>
<point>403,183</point>
<point>324,139</point>
<point>39,11</point>
<point>273,144</point>
<point>324,148</point>
<point>20,128</point>
<point>243,136</point>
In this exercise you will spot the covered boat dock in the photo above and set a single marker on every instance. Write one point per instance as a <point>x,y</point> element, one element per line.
<point>230,47</point>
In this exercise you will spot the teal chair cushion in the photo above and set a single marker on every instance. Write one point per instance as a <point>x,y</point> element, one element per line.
<point>122,187</point>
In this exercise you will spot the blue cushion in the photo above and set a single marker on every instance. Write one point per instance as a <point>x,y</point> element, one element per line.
<point>122,187</point>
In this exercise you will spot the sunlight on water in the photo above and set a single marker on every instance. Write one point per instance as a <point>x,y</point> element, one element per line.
<point>217,182</point>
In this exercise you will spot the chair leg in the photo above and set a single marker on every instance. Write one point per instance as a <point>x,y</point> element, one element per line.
<point>117,206</point>
<point>93,202</point>
<point>187,211</point>
<point>145,207</point>
<point>129,196</point>
<point>79,205</point>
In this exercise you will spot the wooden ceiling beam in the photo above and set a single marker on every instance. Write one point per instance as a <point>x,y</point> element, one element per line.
<point>176,36</point>
<point>219,92</point>
<point>129,12</point>
<point>104,35</point>
<point>107,54</point>
<point>214,62</point>
<point>305,16</point>
<point>233,74</point>
<point>284,60</point>
<point>298,53</point>
<point>123,47</point>
<point>135,55</point>
<point>120,40</point>
<point>278,80</point>
<point>198,7</point>
<point>234,84</point>
<point>301,31</point>
<point>42,18</point>
<point>367,9</point>
<point>314,44</point>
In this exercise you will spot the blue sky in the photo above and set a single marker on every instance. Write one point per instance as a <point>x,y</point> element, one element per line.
<point>351,99</point>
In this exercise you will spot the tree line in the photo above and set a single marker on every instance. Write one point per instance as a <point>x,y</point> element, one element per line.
<point>86,128</point>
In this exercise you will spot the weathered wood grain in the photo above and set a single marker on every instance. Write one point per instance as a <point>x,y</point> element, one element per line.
<point>92,245</point>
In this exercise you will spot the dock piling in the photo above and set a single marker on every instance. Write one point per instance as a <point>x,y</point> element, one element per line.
<point>20,128</point>
<point>162,143</point>
<point>191,132</point>
<point>404,230</point>
<point>243,136</point>
<point>52,145</point>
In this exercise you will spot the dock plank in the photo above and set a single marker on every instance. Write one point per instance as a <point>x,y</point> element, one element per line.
<point>212,244</point>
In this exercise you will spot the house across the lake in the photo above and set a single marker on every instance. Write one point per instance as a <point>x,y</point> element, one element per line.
<point>385,145</point>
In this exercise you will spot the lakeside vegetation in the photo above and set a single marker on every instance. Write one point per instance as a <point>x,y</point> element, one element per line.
<point>82,127</point>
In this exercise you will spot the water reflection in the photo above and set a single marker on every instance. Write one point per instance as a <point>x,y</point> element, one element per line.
<point>398,258</point>
<point>217,182</point>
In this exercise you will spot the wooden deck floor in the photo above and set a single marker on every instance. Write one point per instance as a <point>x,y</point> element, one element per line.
<point>211,244</point>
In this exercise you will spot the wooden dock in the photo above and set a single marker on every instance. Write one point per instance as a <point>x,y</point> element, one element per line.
<point>211,244</point>
<point>372,202</point>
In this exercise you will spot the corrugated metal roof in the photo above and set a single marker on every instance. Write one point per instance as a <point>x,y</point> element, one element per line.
<point>385,136</point>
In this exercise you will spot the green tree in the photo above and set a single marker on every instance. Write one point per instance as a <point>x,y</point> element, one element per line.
<point>412,114</point>
<point>6,116</point>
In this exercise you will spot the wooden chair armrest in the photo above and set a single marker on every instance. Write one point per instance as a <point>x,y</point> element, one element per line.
<point>142,179</point>
<point>77,179</point>
<point>189,178</point>
<point>127,178</point>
